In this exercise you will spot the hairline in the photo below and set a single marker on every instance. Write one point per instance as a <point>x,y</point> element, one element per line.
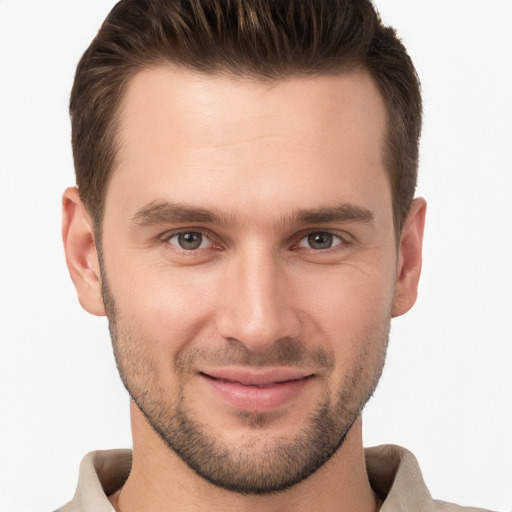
<point>223,71</point>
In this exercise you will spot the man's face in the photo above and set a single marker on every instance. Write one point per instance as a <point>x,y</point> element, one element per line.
<point>249,267</point>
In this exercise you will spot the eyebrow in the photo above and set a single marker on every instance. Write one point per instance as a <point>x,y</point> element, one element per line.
<point>341,213</point>
<point>175,213</point>
<point>159,213</point>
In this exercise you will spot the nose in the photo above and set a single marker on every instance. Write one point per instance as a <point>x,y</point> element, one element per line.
<point>256,304</point>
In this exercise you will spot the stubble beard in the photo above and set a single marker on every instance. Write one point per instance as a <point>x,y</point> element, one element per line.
<point>256,466</point>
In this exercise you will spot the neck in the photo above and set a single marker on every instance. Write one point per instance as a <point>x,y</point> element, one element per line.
<point>160,480</point>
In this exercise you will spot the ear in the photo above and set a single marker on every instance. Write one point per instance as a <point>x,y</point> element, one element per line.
<point>81,254</point>
<point>409,259</point>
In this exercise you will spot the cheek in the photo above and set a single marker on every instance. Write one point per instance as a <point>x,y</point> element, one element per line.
<point>348,299</point>
<point>165,307</point>
<point>350,313</point>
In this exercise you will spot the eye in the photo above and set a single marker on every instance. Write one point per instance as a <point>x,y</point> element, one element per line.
<point>320,240</point>
<point>189,240</point>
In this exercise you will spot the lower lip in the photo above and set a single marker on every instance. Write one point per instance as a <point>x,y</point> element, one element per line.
<point>254,398</point>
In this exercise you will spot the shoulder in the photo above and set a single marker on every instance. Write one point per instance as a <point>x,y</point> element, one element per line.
<point>395,476</point>
<point>444,506</point>
<point>101,473</point>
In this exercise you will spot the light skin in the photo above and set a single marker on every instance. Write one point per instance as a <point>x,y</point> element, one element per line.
<point>248,247</point>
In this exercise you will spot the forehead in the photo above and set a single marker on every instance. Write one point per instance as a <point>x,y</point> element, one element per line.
<point>187,105</point>
<point>186,136</point>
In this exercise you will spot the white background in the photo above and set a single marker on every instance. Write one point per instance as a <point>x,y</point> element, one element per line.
<point>446,393</point>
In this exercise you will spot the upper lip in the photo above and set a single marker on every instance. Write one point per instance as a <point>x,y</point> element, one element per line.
<point>257,377</point>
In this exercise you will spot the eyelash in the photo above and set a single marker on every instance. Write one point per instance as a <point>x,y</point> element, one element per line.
<point>169,236</point>
<point>339,241</point>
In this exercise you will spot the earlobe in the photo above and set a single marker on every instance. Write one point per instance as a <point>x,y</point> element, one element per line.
<point>81,255</point>
<point>409,259</point>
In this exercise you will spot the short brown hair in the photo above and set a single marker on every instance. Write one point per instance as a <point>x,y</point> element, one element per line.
<point>264,39</point>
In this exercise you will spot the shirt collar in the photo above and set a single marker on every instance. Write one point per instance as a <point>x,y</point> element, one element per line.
<point>393,472</point>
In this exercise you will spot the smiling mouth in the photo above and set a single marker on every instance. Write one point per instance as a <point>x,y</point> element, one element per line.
<point>261,386</point>
<point>256,392</point>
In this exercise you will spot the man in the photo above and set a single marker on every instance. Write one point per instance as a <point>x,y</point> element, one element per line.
<point>244,216</point>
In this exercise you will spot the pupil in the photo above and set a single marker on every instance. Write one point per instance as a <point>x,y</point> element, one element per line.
<point>190,240</point>
<point>320,240</point>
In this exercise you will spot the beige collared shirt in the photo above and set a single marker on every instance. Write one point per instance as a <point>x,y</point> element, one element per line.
<point>393,472</point>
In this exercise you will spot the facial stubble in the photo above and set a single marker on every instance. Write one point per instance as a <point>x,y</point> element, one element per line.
<point>253,466</point>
